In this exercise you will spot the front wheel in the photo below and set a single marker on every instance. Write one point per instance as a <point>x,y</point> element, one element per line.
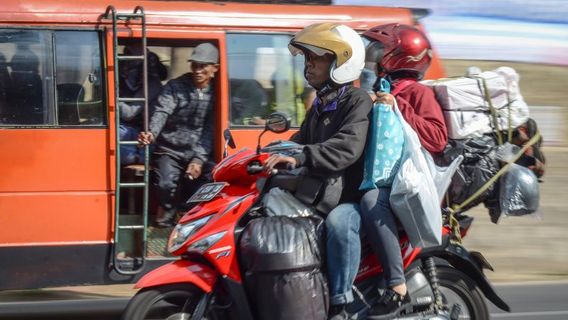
<point>460,291</point>
<point>168,302</point>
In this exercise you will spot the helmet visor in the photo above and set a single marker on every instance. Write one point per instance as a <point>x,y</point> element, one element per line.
<point>373,55</point>
<point>299,48</point>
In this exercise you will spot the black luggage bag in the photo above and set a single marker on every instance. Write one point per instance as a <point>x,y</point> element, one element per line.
<point>282,258</point>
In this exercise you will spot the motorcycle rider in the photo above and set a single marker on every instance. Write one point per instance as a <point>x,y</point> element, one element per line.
<point>402,54</point>
<point>334,134</point>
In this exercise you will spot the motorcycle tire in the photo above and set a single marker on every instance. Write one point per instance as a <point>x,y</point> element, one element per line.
<point>174,301</point>
<point>457,287</point>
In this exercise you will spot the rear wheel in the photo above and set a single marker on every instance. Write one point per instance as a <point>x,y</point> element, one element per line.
<point>460,290</point>
<point>169,302</point>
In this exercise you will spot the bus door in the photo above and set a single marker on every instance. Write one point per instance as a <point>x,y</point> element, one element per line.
<point>136,241</point>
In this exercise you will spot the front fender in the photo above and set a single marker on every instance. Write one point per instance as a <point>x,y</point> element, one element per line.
<point>470,264</point>
<point>180,271</point>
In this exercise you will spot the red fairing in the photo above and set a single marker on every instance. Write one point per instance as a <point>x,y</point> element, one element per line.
<point>233,169</point>
<point>181,271</point>
<point>229,207</point>
<point>405,48</point>
<point>421,110</point>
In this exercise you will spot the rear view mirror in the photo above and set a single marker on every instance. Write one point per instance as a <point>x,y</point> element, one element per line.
<point>277,122</point>
<point>229,142</point>
<point>229,139</point>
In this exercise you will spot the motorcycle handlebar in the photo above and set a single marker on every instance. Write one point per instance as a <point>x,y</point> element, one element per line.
<point>257,168</point>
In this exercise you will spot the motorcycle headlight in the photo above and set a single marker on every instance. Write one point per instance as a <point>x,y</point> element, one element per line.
<point>182,232</point>
<point>206,243</point>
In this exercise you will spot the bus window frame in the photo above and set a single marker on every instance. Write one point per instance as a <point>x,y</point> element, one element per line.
<point>177,34</point>
<point>53,79</point>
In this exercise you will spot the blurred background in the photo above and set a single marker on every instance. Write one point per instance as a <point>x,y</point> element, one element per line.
<point>530,36</point>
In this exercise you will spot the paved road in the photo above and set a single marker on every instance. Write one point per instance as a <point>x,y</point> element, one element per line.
<point>542,301</point>
<point>528,301</point>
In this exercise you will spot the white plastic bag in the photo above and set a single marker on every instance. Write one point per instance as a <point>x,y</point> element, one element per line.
<point>414,197</point>
<point>279,202</point>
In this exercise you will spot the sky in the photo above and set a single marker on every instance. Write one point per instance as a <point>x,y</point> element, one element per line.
<point>507,30</point>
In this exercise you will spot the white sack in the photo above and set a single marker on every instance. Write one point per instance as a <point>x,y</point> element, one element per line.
<point>466,109</point>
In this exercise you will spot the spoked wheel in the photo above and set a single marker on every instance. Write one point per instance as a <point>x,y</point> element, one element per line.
<point>169,302</point>
<point>461,295</point>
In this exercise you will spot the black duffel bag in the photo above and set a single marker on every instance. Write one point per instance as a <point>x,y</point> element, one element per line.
<point>282,259</point>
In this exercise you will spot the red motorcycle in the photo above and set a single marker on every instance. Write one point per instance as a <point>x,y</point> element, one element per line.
<point>207,282</point>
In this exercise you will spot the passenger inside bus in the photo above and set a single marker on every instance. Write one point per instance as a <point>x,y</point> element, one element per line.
<point>26,98</point>
<point>4,83</point>
<point>262,62</point>
<point>249,101</point>
<point>182,129</point>
<point>131,86</point>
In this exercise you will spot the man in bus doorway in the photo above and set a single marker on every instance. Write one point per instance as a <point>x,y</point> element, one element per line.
<point>334,135</point>
<point>181,128</point>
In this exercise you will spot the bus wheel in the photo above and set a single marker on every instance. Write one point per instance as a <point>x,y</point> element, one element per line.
<point>168,302</point>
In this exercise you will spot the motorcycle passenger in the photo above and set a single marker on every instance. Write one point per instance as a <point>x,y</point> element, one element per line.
<point>402,54</point>
<point>334,134</point>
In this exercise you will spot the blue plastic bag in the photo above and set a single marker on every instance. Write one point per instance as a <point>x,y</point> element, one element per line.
<point>385,141</point>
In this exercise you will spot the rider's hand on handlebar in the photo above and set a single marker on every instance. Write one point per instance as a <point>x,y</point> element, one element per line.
<point>278,159</point>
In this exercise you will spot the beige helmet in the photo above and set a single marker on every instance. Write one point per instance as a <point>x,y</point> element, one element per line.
<point>337,39</point>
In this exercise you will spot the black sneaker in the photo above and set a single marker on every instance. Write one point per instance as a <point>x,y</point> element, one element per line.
<point>390,304</point>
<point>337,312</point>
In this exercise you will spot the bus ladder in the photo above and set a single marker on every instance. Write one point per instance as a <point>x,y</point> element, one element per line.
<point>122,263</point>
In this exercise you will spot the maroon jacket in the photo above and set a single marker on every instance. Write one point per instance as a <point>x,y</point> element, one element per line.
<point>421,110</point>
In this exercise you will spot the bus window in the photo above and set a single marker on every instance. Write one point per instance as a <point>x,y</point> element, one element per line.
<point>79,83</point>
<point>264,77</point>
<point>27,57</point>
<point>28,95</point>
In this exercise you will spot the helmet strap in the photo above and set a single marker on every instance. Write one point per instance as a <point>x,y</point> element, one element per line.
<point>327,88</point>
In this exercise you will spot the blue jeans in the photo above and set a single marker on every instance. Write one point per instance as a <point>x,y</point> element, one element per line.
<point>343,251</point>
<point>130,154</point>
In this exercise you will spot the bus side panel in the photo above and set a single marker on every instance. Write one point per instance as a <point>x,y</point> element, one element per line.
<point>30,267</point>
<point>49,266</point>
<point>55,186</point>
<point>35,218</point>
<point>247,138</point>
<point>46,160</point>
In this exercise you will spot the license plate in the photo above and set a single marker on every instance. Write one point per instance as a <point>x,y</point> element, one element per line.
<point>207,192</point>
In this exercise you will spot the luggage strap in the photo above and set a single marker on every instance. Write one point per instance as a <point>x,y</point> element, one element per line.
<point>492,109</point>
<point>454,224</point>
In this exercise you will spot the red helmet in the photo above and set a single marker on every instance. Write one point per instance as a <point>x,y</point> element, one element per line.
<point>397,47</point>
